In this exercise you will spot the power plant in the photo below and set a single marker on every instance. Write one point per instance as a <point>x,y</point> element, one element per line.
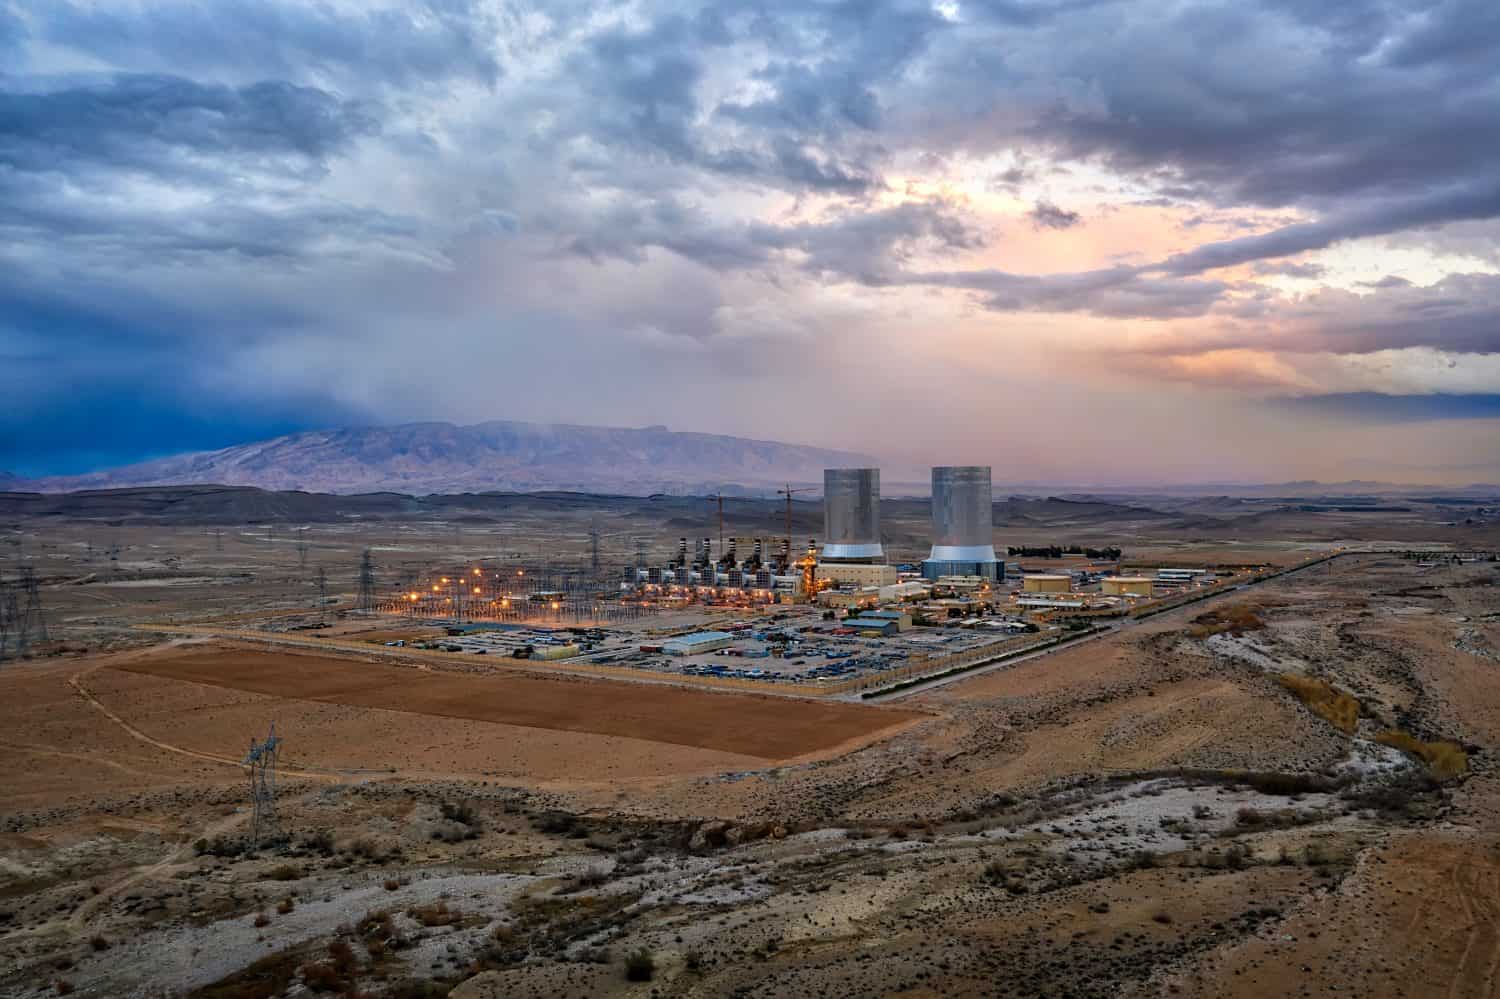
<point>962,525</point>
<point>851,515</point>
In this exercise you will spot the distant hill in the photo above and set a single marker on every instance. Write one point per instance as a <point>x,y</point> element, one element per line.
<point>422,458</point>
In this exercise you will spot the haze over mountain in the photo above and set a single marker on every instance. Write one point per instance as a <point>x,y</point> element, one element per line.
<point>421,458</point>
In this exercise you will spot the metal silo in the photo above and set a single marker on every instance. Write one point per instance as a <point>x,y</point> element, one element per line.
<point>962,527</point>
<point>851,515</point>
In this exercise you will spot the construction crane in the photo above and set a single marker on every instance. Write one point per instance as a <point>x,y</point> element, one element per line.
<point>789,492</point>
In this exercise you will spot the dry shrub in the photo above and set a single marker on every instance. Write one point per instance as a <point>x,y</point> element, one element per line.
<point>285,905</point>
<point>284,872</point>
<point>640,966</point>
<point>1339,709</point>
<point>437,914</point>
<point>262,919</point>
<point>1236,619</point>
<point>323,978</point>
<point>1445,760</point>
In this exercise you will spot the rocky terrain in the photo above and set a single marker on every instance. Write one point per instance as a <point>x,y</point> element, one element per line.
<point>1289,790</point>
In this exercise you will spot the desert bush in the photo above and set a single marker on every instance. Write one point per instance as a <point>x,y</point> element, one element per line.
<point>99,944</point>
<point>391,884</point>
<point>1164,918</point>
<point>63,987</point>
<point>262,919</point>
<point>220,846</point>
<point>319,841</point>
<point>640,966</point>
<point>1339,709</point>
<point>284,872</point>
<point>436,914</point>
<point>694,960</point>
<point>1283,784</point>
<point>556,823</point>
<point>322,978</point>
<point>1236,619</point>
<point>420,990</point>
<point>286,905</point>
<point>341,955</point>
<point>1445,760</point>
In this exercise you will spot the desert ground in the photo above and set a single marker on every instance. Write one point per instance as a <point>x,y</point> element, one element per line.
<point>1287,790</point>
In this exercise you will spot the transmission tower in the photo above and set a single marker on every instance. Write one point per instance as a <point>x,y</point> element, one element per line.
<point>719,498</point>
<point>218,539</point>
<point>301,549</point>
<point>32,626</point>
<point>594,555</point>
<point>261,762</point>
<point>322,594</point>
<point>8,616</point>
<point>366,600</point>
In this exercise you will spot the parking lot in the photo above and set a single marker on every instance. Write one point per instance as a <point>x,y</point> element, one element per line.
<point>788,646</point>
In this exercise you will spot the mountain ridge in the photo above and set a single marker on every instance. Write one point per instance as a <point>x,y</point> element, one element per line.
<point>497,455</point>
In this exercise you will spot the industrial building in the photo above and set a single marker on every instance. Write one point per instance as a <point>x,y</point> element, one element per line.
<point>869,626</point>
<point>962,525</point>
<point>858,574</point>
<point>1126,586</point>
<point>697,643</point>
<point>1047,583</point>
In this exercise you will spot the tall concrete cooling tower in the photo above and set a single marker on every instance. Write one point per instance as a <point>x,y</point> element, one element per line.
<point>962,528</point>
<point>851,515</point>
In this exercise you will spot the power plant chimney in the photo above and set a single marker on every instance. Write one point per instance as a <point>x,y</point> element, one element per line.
<point>963,534</point>
<point>851,515</point>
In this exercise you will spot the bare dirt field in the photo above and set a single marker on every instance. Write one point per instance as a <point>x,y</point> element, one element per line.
<point>767,728</point>
<point>1287,790</point>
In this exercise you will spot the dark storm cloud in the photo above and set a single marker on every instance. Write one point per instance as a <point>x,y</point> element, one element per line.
<point>868,247</point>
<point>1117,293</point>
<point>1046,215</point>
<point>285,158</point>
<point>1292,269</point>
<point>1479,200</point>
<point>169,126</point>
<point>420,42</point>
<point>1459,314</point>
<point>1377,407</point>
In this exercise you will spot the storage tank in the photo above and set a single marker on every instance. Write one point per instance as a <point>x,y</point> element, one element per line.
<point>962,527</point>
<point>851,515</point>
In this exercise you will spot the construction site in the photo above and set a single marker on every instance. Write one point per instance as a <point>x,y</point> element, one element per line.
<point>624,748</point>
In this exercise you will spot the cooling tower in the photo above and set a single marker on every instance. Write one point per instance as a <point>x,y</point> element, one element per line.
<point>851,515</point>
<point>962,530</point>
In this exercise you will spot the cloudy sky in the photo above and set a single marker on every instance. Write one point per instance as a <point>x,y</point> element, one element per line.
<point>1085,240</point>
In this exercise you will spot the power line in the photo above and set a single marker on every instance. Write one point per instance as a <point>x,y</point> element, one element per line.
<point>261,761</point>
<point>366,599</point>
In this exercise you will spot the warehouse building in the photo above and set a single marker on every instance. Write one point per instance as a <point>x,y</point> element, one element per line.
<point>1048,583</point>
<point>1126,586</point>
<point>697,643</point>
<point>885,627</point>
